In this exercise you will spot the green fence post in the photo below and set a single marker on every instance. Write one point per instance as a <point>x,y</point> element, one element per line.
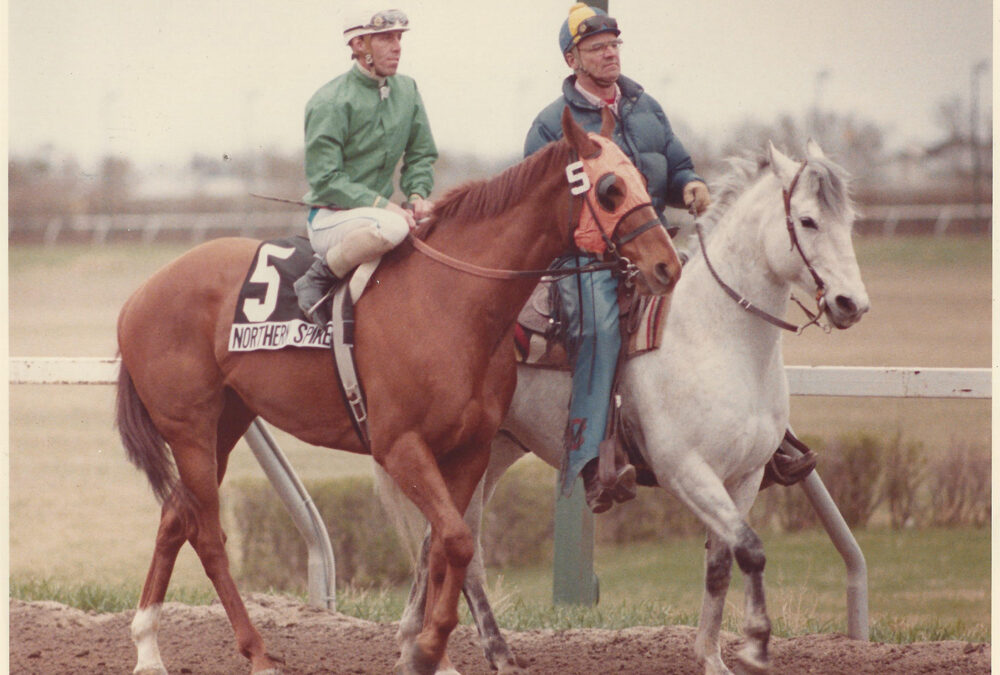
<point>573,578</point>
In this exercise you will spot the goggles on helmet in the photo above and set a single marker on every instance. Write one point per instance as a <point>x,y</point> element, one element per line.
<point>380,22</point>
<point>388,19</point>
<point>595,24</point>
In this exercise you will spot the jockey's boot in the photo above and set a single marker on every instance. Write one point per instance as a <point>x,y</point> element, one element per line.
<point>601,497</point>
<point>312,289</point>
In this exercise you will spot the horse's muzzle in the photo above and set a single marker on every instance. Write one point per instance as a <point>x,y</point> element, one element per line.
<point>845,311</point>
<point>666,276</point>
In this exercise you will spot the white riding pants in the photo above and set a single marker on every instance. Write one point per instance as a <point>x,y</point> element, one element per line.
<point>328,228</point>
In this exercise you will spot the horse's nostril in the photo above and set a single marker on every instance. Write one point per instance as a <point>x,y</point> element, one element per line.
<point>846,304</point>
<point>662,271</point>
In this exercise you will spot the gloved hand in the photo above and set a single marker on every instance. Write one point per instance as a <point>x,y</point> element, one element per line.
<point>696,197</point>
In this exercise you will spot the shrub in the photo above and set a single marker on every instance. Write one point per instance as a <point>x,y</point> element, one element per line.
<point>960,487</point>
<point>517,521</point>
<point>905,472</point>
<point>852,473</point>
<point>274,555</point>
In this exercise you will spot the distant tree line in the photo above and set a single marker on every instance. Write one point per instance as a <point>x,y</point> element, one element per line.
<point>48,183</point>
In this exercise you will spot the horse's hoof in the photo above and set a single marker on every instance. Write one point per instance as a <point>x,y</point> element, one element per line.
<point>749,663</point>
<point>269,671</point>
<point>404,668</point>
<point>150,670</point>
<point>715,666</point>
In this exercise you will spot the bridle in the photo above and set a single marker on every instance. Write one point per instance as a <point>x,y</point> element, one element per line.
<point>749,306</point>
<point>580,185</point>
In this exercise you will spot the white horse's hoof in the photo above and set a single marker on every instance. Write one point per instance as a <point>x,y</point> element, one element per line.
<point>750,664</point>
<point>150,670</point>
<point>269,671</point>
<point>715,666</point>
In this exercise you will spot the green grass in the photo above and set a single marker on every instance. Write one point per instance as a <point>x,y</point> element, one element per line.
<point>930,584</point>
<point>93,597</point>
<point>926,585</point>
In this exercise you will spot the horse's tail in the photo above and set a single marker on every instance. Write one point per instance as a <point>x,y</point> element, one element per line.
<point>144,445</point>
<point>409,522</point>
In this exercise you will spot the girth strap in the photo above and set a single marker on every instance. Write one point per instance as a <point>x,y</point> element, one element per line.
<point>342,348</point>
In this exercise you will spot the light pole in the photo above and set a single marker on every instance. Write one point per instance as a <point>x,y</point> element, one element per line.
<point>977,170</point>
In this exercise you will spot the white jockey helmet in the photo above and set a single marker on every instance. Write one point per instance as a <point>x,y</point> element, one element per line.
<point>369,23</point>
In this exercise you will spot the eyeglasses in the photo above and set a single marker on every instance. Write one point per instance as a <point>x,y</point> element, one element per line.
<point>390,17</point>
<point>598,48</point>
<point>592,24</point>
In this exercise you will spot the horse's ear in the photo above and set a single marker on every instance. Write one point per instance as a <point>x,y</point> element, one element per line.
<point>783,167</point>
<point>607,122</point>
<point>577,137</point>
<point>813,150</point>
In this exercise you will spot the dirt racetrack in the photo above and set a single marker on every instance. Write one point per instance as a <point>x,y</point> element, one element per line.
<point>47,637</point>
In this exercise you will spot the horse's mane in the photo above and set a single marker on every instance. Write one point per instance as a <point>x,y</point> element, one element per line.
<point>829,181</point>
<point>486,198</point>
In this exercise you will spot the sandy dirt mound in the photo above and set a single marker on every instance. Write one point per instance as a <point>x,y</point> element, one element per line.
<point>47,637</point>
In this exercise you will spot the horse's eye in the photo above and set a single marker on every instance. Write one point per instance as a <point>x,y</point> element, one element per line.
<point>609,190</point>
<point>808,223</point>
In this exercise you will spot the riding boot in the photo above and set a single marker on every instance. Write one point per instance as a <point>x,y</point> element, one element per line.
<point>312,289</point>
<point>600,496</point>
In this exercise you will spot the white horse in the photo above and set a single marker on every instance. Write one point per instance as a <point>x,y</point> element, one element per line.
<point>710,406</point>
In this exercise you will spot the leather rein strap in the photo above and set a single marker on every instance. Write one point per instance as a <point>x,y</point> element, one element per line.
<point>506,275</point>
<point>749,306</point>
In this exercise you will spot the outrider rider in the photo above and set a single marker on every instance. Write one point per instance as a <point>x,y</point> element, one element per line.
<point>358,127</point>
<point>590,43</point>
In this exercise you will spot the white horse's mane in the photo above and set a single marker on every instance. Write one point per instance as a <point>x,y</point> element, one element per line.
<point>828,181</point>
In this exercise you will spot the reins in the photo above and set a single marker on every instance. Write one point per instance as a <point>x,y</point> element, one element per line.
<point>506,275</point>
<point>752,308</point>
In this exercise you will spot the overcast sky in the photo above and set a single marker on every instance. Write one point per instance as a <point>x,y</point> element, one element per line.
<point>161,80</point>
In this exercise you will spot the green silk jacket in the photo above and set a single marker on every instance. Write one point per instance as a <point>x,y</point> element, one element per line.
<point>355,135</point>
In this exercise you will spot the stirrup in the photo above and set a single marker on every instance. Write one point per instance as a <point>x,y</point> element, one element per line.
<point>320,313</point>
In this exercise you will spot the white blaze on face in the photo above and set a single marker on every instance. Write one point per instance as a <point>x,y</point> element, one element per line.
<point>145,627</point>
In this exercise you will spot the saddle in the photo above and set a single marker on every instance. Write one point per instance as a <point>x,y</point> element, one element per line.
<point>539,337</point>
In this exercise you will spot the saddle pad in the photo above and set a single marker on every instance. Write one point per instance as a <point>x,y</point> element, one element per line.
<point>533,349</point>
<point>267,311</point>
<point>648,332</point>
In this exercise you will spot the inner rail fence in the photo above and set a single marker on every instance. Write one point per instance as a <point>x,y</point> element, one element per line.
<point>888,220</point>
<point>573,577</point>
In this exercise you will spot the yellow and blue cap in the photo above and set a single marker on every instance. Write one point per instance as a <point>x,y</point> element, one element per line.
<point>584,21</point>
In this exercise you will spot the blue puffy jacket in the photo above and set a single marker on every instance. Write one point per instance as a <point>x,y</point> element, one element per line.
<point>641,130</point>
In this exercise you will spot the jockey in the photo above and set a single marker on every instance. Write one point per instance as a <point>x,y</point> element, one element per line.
<point>357,128</point>
<point>590,44</point>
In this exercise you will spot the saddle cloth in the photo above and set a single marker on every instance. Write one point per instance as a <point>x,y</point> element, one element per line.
<point>538,344</point>
<point>267,311</point>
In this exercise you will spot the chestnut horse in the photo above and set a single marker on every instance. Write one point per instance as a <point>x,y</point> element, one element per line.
<point>434,351</point>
